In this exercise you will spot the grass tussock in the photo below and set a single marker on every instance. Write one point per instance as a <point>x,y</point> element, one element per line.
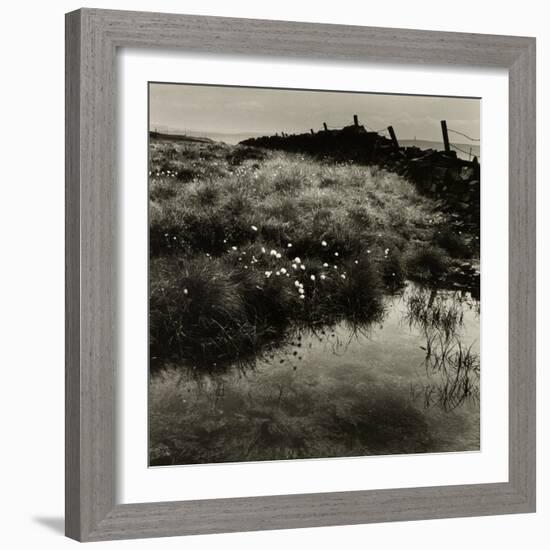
<point>216,310</point>
<point>245,243</point>
<point>426,262</point>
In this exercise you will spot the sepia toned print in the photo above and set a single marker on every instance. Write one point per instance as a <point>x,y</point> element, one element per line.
<point>313,274</point>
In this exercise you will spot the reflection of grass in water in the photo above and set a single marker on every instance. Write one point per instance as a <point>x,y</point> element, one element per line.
<point>429,310</point>
<point>456,366</point>
<point>282,416</point>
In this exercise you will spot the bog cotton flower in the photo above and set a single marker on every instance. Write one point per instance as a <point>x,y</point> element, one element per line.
<point>254,228</point>
<point>324,243</point>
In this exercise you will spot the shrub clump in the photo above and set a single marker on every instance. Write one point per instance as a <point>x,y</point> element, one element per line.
<point>452,242</point>
<point>426,262</point>
<point>211,311</point>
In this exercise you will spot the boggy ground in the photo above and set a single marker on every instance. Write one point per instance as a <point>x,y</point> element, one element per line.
<point>245,244</point>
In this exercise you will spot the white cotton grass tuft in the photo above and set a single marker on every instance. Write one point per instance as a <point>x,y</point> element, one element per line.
<point>324,243</point>
<point>254,228</point>
<point>312,277</point>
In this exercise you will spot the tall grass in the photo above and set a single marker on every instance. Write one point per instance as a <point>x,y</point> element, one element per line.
<point>217,212</point>
<point>210,311</point>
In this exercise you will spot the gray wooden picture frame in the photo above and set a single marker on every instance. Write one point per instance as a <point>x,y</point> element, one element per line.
<point>92,39</point>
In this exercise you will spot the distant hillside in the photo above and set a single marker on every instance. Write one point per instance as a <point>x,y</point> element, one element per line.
<point>226,137</point>
<point>179,137</point>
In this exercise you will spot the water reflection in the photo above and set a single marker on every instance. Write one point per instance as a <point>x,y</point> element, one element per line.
<point>407,385</point>
<point>452,367</point>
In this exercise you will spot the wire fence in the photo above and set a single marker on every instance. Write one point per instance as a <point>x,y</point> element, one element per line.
<point>457,148</point>
<point>462,134</point>
<point>385,131</point>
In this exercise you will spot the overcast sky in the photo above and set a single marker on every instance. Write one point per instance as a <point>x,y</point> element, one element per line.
<point>224,109</point>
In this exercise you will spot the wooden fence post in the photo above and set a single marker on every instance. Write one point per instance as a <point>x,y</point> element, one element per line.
<point>312,132</point>
<point>393,138</point>
<point>355,120</point>
<point>325,126</point>
<point>445,136</point>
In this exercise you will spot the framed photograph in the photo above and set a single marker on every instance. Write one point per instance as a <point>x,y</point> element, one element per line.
<point>300,275</point>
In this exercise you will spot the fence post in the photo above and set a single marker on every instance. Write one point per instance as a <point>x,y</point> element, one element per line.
<point>393,138</point>
<point>311,130</point>
<point>445,136</point>
<point>325,126</point>
<point>355,120</point>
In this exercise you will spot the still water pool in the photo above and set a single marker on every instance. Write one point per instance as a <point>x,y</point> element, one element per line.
<point>408,384</point>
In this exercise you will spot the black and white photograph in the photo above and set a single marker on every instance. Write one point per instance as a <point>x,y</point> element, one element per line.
<point>270,275</point>
<point>314,276</point>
